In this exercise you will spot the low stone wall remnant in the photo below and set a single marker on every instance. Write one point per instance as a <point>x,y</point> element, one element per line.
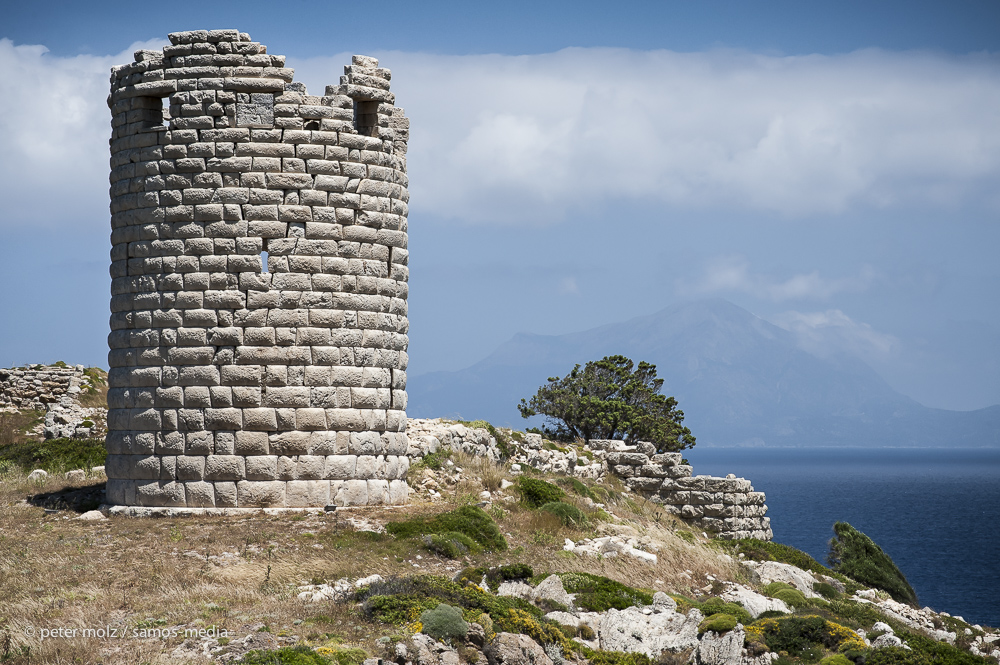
<point>728,507</point>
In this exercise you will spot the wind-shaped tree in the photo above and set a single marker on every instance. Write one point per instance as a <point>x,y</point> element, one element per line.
<point>611,399</point>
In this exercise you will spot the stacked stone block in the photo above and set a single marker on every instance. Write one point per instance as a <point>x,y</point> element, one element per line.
<point>234,382</point>
<point>728,507</point>
<point>36,386</point>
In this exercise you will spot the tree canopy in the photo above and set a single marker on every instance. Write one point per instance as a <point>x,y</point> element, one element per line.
<point>611,399</point>
<point>856,555</point>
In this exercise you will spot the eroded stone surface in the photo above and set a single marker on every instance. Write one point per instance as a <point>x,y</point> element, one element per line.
<point>259,282</point>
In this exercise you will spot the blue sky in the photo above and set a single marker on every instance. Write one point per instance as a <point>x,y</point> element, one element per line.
<point>830,166</point>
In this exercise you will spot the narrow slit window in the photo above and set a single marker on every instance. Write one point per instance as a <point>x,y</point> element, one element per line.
<point>263,262</point>
<point>165,112</point>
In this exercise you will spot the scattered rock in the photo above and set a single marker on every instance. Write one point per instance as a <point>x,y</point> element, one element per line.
<point>664,603</point>
<point>754,603</point>
<point>773,571</point>
<point>632,630</point>
<point>886,640</point>
<point>610,546</point>
<point>725,649</point>
<point>922,620</point>
<point>340,590</point>
<point>551,588</point>
<point>76,475</point>
<point>94,515</point>
<point>512,649</point>
<point>517,589</point>
<point>38,476</point>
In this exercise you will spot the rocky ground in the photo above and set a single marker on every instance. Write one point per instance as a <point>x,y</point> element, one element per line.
<point>627,583</point>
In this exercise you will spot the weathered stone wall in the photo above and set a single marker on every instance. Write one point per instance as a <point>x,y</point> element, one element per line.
<point>36,386</point>
<point>232,383</point>
<point>729,507</point>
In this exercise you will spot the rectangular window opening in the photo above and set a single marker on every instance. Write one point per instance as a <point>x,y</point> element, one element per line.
<point>366,118</point>
<point>263,262</point>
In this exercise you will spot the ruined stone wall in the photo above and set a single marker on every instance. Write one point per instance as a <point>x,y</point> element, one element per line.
<point>36,386</point>
<point>728,507</point>
<point>236,383</point>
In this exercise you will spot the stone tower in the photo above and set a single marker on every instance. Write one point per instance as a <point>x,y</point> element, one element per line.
<point>259,281</point>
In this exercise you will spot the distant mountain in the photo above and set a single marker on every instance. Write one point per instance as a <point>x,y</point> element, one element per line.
<point>739,380</point>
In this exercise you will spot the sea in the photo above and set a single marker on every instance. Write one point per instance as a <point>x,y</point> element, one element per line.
<point>936,512</point>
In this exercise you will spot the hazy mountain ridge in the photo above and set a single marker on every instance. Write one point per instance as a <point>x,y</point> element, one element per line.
<point>739,379</point>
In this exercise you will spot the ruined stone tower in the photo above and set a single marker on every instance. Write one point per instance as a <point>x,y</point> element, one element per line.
<point>258,310</point>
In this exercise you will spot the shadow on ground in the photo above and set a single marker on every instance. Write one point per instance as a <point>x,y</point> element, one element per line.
<point>76,499</point>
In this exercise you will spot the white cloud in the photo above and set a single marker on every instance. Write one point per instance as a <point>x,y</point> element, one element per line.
<point>535,138</point>
<point>54,131</point>
<point>833,332</point>
<point>529,139</point>
<point>732,274</point>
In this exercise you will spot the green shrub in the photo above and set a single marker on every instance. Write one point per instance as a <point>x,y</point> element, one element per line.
<point>451,544</point>
<point>346,655</point>
<point>495,576</point>
<point>923,651</point>
<point>599,594</point>
<point>435,460</point>
<point>771,614</point>
<point>826,590</point>
<point>569,514</point>
<point>792,597</point>
<point>444,622</point>
<point>836,659</point>
<point>854,554</point>
<point>469,520</point>
<point>56,454</point>
<point>515,571</point>
<point>858,614</point>
<point>718,623</point>
<point>536,493</point>
<point>578,487</point>
<point>800,636</point>
<point>616,658</point>
<point>300,655</point>
<point>685,535</point>
<point>401,601</point>
<point>774,587</point>
<point>716,605</point>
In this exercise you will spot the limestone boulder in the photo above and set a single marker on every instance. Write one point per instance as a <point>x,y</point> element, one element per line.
<point>754,603</point>
<point>551,588</point>
<point>649,630</point>
<point>773,571</point>
<point>724,649</point>
<point>514,649</point>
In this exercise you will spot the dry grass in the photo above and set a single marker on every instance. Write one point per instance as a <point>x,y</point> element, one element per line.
<point>239,572</point>
<point>15,424</point>
<point>57,572</point>
<point>482,473</point>
<point>97,395</point>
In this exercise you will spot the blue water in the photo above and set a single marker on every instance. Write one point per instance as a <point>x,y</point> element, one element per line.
<point>936,512</point>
